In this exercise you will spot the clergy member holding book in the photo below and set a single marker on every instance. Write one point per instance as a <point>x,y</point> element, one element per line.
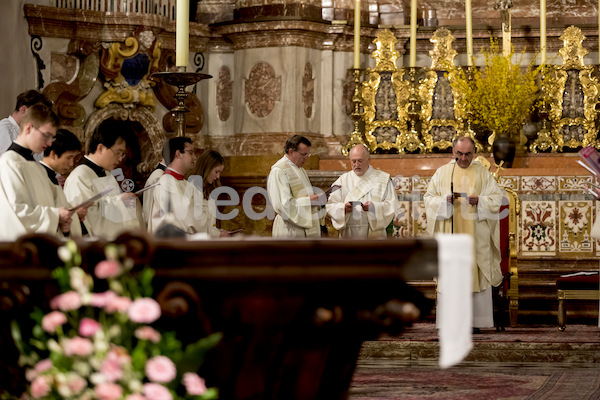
<point>115,212</point>
<point>176,201</point>
<point>291,195</point>
<point>29,202</point>
<point>366,202</point>
<point>152,179</point>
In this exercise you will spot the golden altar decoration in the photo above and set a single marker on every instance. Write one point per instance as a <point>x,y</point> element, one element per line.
<point>500,96</point>
<point>443,114</point>
<point>384,96</point>
<point>572,97</point>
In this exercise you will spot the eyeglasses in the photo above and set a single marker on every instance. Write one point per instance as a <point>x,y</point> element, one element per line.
<point>46,135</point>
<point>120,155</point>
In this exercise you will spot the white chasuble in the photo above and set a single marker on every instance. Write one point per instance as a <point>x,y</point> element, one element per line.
<point>108,216</point>
<point>180,203</point>
<point>29,202</point>
<point>289,192</point>
<point>480,221</point>
<point>374,186</point>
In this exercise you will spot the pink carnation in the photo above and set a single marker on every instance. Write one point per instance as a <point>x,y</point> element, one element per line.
<point>111,370</point>
<point>78,346</point>
<point>154,391</point>
<point>53,320</point>
<point>102,299</point>
<point>108,391</point>
<point>135,396</point>
<point>147,333</point>
<point>194,384</point>
<point>107,269</point>
<point>77,384</point>
<point>40,387</point>
<point>67,301</point>
<point>118,304</point>
<point>160,369</point>
<point>88,327</point>
<point>119,355</point>
<point>144,311</point>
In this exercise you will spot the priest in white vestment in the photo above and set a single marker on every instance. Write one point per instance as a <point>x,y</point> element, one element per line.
<point>115,212</point>
<point>463,197</point>
<point>29,202</point>
<point>291,194</point>
<point>176,200</point>
<point>366,202</point>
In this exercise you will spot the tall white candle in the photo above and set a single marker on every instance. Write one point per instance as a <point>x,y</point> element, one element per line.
<point>543,31</point>
<point>182,37</point>
<point>469,33</point>
<point>357,34</point>
<point>413,34</point>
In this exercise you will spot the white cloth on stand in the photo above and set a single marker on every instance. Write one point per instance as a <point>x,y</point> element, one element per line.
<point>455,318</point>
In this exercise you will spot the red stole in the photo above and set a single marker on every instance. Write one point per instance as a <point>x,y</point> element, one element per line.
<point>174,174</point>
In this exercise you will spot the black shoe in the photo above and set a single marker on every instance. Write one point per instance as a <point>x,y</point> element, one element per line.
<point>476,331</point>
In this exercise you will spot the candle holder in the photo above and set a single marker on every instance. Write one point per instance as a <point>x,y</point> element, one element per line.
<point>181,79</point>
<point>411,141</point>
<point>544,140</point>
<point>356,137</point>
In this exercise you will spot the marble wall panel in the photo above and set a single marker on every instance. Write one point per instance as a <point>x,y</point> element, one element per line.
<point>419,219</point>
<point>402,184</point>
<point>570,184</point>
<point>511,182</point>
<point>420,183</point>
<point>575,224</point>
<point>538,228</point>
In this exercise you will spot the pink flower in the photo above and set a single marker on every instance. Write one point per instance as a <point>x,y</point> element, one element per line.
<point>78,346</point>
<point>102,299</point>
<point>67,301</point>
<point>147,333</point>
<point>144,311</point>
<point>118,304</point>
<point>53,320</point>
<point>77,384</point>
<point>194,384</point>
<point>154,391</point>
<point>88,327</point>
<point>119,355</point>
<point>40,387</point>
<point>160,369</point>
<point>135,396</point>
<point>111,370</point>
<point>107,269</point>
<point>108,391</point>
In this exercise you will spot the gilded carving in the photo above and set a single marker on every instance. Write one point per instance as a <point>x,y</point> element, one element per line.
<point>384,96</point>
<point>262,90</point>
<point>572,96</point>
<point>127,67</point>
<point>224,93</point>
<point>441,115</point>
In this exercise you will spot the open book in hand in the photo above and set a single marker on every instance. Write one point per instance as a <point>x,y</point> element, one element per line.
<point>332,189</point>
<point>92,199</point>
<point>591,157</point>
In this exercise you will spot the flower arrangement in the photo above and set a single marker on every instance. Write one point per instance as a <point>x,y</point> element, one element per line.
<point>101,345</point>
<point>501,95</point>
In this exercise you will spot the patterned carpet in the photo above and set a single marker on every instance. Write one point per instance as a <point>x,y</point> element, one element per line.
<point>385,381</point>
<point>402,368</point>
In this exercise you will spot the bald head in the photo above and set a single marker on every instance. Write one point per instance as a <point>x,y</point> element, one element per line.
<point>359,159</point>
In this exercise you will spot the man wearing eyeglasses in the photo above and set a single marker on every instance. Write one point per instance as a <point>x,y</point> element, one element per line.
<point>115,212</point>
<point>463,197</point>
<point>29,202</point>
<point>291,194</point>
<point>366,202</point>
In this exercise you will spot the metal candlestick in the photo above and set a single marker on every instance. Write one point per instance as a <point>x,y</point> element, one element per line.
<point>356,137</point>
<point>181,79</point>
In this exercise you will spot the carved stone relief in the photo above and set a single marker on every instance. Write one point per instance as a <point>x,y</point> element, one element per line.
<point>262,89</point>
<point>224,93</point>
<point>308,91</point>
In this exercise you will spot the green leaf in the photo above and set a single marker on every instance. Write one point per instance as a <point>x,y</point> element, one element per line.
<point>194,353</point>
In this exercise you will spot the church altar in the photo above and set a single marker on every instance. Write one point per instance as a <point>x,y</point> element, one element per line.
<point>293,313</point>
